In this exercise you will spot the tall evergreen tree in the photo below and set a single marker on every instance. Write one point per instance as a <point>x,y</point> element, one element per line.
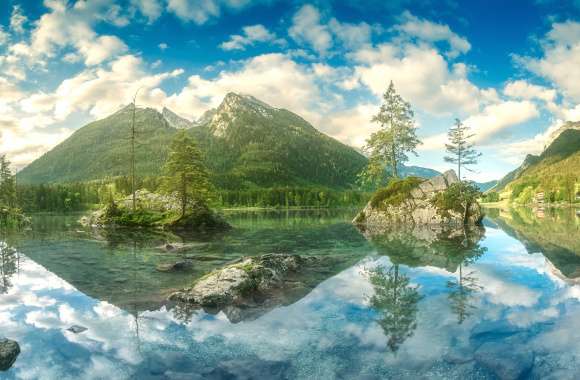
<point>185,173</point>
<point>388,148</point>
<point>7,184</point>
<point>461,150</point>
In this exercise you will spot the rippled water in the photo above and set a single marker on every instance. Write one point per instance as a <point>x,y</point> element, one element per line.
<point>401,304</point>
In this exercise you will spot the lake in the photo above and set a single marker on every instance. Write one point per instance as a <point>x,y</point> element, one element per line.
<point>499,302</point>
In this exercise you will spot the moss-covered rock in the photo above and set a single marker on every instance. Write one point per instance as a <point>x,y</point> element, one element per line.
<point>156,211</point>
<point>416,201</point>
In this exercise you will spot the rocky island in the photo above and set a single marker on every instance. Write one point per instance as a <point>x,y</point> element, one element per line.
<point>415,201</point>
<point>156,211</point>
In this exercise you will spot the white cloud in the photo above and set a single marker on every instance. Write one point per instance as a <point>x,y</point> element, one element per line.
<point>273,78</point>
<point>152,9</point>
<point>492,120</point>
<point>201,11</point>
<point>351,35</point>
<point>251,35</point>
<point>560,62</point>
<point>163,46</point>
<point>422,76</point>
<point>307,28</point>
<point>425,30</point>
<point>522,89</point>
<point>17,20</point>
<point>73,25</point>
<point>4,36</point>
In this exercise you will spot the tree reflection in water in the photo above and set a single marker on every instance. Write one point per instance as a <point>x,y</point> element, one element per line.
<point>396,299</point>
<point>9,265</point>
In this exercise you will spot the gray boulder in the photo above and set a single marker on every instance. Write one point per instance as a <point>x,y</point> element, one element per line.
<point>505,361</point>
<point>9,351</point>
<point>239,282</point>
<point>418,209</point>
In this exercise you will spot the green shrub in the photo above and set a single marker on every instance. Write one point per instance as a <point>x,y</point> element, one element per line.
<point>396,192</point>
<point>455,197</point>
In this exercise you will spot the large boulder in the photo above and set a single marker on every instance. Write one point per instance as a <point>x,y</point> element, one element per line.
<point>239,282</point>
<point>417,206</point>
<point>9,351</point>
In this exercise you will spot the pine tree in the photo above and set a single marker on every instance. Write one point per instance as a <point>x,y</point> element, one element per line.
<point>461,151</point>
<point>185,173</point>
<point>7,184</point>
<point>388,147</point>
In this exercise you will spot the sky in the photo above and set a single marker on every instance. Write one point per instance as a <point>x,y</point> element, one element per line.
<point>510,70</point>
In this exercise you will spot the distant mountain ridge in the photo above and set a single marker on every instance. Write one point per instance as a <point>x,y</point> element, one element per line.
<point>246,143</point>
<point>547,171</point>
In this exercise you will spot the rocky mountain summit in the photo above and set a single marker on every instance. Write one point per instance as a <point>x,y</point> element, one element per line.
<point>412,201</point>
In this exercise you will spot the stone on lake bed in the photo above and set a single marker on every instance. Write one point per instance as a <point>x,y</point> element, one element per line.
<point>9,351</point>
<point>174,267</point>
<point>76,329</point>
<point>504,360</point>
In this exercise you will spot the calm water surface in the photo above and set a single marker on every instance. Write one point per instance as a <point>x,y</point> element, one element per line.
<point>405,304</point>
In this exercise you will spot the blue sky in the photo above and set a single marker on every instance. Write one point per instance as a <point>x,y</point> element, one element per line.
<point>508,69</point>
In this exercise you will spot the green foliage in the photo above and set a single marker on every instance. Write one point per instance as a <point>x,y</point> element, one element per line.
<point>253,151</point>
<point>555,172</point>
<point>396,192</point>
<point>492,196</point>
<point>138,218</point>
<point>10,213</point>
<point>388,147</point>
<point>185,173</point>
<point>396,300</point>
<point>458,197</point>
<point>461,151</point>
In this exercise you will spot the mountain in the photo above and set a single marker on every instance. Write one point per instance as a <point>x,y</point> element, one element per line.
<point>175,120</point>
<point>246,142</point>
<point>552,171</point>
<point>485,186</point>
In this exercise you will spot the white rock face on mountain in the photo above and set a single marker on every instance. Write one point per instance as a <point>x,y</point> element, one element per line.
<point>176,121</point>
<point>231,108</point>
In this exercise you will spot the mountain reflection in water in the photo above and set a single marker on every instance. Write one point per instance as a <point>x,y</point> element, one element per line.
<point>422,303</point>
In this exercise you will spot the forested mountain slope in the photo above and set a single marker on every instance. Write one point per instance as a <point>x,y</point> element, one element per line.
<point>245,141</point>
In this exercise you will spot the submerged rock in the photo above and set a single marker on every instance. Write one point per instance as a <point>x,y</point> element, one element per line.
<point>415,206</point>
<point>76,329</point>
<point>9,351</point>
<point>174,267</point>
<point>505,361</point>
<point>240,282</point>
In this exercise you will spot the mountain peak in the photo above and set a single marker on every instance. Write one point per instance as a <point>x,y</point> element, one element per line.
<point>233,106</point>
<point>176,121</point>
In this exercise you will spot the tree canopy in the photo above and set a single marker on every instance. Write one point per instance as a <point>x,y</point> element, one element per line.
<point>185,173</point>
<point>461,150</point>
<point>389,146</point>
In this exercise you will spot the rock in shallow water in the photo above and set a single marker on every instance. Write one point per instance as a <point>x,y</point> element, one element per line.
<point>239,282</point>
<point>76,329</point>
<point>174,267</point>
<point>9,351</point>
<point>505,361</point>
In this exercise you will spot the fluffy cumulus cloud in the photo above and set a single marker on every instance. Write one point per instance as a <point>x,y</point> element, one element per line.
<point>310,29</point>
<point>17,20</point>
<point>151,9</point>
<point>424,30</point>
<point>273,78</point>
<point>422,75</point>
<point>72,26</point>
<point>251,35</point>
<point>201,11</point>
<point>560,60</point>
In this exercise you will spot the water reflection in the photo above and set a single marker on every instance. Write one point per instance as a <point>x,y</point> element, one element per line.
<point>453,304</point>
<point>9,265</point>
<point>396,300</point>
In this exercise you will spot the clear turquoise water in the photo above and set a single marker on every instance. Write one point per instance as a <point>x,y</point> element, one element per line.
<point>401,306</point>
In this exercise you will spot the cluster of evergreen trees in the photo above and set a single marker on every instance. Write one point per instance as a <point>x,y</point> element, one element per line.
<point>9,209</point>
